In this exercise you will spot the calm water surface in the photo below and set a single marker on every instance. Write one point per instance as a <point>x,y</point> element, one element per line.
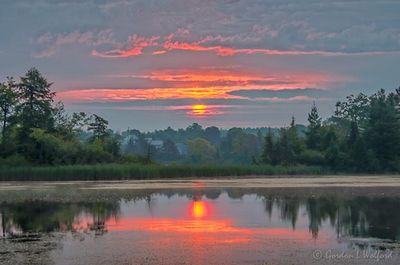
<point>198,226</point>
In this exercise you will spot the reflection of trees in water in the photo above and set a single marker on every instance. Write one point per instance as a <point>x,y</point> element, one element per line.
<point>379,218</point>
<point>289,210</point>
<point>269,205</point>
<point>356,216</point>
<point>319,210</point>
<point>101,212</point>
<point>40,216</point>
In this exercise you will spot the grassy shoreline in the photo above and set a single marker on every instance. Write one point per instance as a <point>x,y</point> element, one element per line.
<point>135,171</point>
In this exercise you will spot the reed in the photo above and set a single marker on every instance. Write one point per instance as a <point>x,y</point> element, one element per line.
<point>137,171</point>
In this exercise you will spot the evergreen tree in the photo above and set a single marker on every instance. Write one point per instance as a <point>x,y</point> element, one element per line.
<point>296,143</point>
<point>360,156</point>
<point>313,134</point>
<point>354,134</point>
<point>286,149</point>
<point>332,156</point>
<point>268,151</point>
<point>383,131</point>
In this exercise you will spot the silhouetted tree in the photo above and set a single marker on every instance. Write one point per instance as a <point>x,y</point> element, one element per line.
<point>8,102</point>
<point>35,104</point>
<point>313,133</point>
<point>268,151</point>
<point>383,131</point>
<point>98,126</point>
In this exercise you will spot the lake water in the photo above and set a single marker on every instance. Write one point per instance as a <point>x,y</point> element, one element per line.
<point>66,224</point>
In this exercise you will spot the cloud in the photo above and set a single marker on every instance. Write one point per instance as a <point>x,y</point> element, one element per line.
<point>282,93</point>
<point>137,44</point>
<point>228,79</point>
<point>159,52</point>
<point>54,42</point>
<point>228,28</point>
<point>206,84</point>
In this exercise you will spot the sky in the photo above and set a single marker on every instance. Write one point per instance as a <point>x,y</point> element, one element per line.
<point>150,64</point>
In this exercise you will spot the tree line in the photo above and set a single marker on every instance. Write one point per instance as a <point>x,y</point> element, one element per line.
<point>363,135</point>
<point>36,130</point>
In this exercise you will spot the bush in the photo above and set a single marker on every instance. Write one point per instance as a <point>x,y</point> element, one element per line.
<point>131,159</point>
<point>95,153</point>
<point>311,157</point>
<point>13,161</point>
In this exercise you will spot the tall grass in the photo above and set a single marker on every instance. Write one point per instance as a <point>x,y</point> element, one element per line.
<point>135,171</point>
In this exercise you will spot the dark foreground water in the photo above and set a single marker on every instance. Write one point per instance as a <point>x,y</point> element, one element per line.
<point>199,226</point>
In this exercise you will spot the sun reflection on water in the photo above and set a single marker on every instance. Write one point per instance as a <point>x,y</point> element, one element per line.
<point>199,209</point>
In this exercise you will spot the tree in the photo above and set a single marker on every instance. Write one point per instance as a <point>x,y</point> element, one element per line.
<point>36,98</point>
<point>193,131</point>
<point>362,159</point>
<point>213,135</point>
<point>67,125</point>
<point>78,121</point>
<point>227,144</point>
<point>286,148</point>
<point>296,143</point>
<point>268,152</point>
<point>98,126</point>
<point>313,118</point>
<point>355,109</point>
<point>200,150</point>
<point>383,131</point>
<point>50,149</point>
<point>314,129</point>
<point>169,150</point>
<point>245,147</point>
<point>332,156</point>
<point>8,101</point>
<point>354,134</point>
<point>112,145</point>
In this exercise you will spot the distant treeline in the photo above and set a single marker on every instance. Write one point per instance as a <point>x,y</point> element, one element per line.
<point>363,135</point>
<point>198,145</point>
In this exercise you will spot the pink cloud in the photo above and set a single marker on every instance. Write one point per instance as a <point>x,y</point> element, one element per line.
<point>137,44</point>
<point>159,52</point>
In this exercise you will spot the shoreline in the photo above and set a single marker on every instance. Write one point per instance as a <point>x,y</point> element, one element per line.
<point>279,181</point>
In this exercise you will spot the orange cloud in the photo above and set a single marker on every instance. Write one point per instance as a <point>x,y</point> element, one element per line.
<point>104,94</point>
<point>224,78</point>
<point>202,84</point>
<point>145,94</point>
